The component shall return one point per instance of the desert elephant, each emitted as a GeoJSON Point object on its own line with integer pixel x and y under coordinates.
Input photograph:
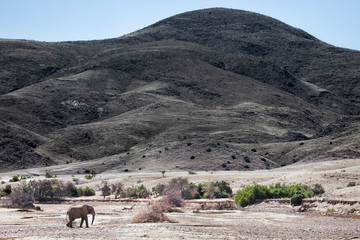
{"type": "Point", "coordinates": [80, 212]}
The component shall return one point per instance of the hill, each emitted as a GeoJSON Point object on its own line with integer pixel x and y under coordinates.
{"type": "Point", "coordinates": [204, 90]}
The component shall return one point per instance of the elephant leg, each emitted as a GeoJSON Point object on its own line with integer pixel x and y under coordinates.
{"type": "Point", "coordinates": [86, 220]}
{"type": "Point", "coordinates": [69, 224]}
{"type": "Point", "coordinates": [82, 221]}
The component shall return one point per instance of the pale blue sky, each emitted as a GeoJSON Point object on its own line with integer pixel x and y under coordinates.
{"type": "Point", "coordinates": [334, 21]}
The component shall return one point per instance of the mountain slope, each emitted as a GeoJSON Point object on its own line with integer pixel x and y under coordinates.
{"type": "Point", "coordinates": [210, 89]}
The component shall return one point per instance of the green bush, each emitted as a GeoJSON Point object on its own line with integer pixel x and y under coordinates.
{"type": "Point", "coordinates": [14, 179]}
{"type": "Point", "coordinates": [78, 192]}
{"type": "Point", "coordinates": [89, 176]}
{"type": "Point", "coordinates": [224, 187]}
{"type": "Point", "coordinates": [250, 194]}
{"type": "Point", "coordinates": [49, 175]}
{"type": "Point", "coordinates": [88, 191]}
{"type": "Point", "coordinates": [6, 189]}
{"type": "Point", "coordinates": [296, 199]}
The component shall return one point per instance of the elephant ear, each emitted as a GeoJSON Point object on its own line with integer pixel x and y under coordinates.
{"type": "Point", "coordinates": [85, 209]}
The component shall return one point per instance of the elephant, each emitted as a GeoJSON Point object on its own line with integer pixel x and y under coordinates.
{"type": "Point", "coordinates": [80, 212]}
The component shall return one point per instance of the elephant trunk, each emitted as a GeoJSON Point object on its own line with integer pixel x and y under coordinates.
{"type": "Point", "coordinates": [93, 218]}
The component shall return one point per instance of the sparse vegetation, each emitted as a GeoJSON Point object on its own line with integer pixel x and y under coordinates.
{"type": "Point", "coordinates": [181, 187]}
{"type": "Point", "coordinates": [24, 194]}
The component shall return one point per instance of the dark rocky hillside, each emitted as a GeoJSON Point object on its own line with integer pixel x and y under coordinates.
{"type": "Point", "coordinates": [205, 90]}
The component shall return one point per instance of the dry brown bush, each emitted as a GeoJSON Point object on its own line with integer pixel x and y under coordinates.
{"type": "Point", "coordinates": [174, 198]}
{"type": "Point", "coordinates": [154, 213]}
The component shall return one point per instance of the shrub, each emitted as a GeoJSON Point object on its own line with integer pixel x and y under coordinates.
{"type": "Point", "coordinates": [250, 194]}
{"type": "Point", "coordinates": [136, 192]}
{"type": "Point", "coordinates": [296, 199]}
{"type": "Point", "coordinates": [210, 190]}
{"type": "Point", "coordinates": [247, 159]}
{"type": "Point", "coordinates": [76, 180]}
{"type": "Point", "coordinates": [153, 213]}
{"type": "Point", "coordinates": [88, 191]}
{"type": "Point", "coordinates": [43, 190]}
{"type": "Point", "coordinates": [49, 175]}
{"type": "Point", "coordinates": [351, 184]}
{"type": "Point", "coordinates": [89, 176]}
{"type": "Point", "coordinates": [224, 190]}
{"type": "Point", "coordinates": [105, 190]}
{"type": "Point", "coordinates": [200, 190]}
{"type": "Point", "coordinates": [78, 192]}
{"type": "Point", "coordinates": [20, 199]}
{"type": "Point", "coordinates": [117, 189]}
{"type": "Point", "coordinates": [318, 189]}
{"type": "Point", "coordinates": [174, 198]}
{"type": "Point", "coordinates": [7, 189]}
{"type": "Point", "coordinates": [142, 192]}
{"type": "Point", "coordinates": [187, 190]}
{"type": "Point", "coordinates": [47, 189]}
{"type": "Point", "coordinates": [14, 179]}
{"type": "Point", "coordinates": [159, 189]}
